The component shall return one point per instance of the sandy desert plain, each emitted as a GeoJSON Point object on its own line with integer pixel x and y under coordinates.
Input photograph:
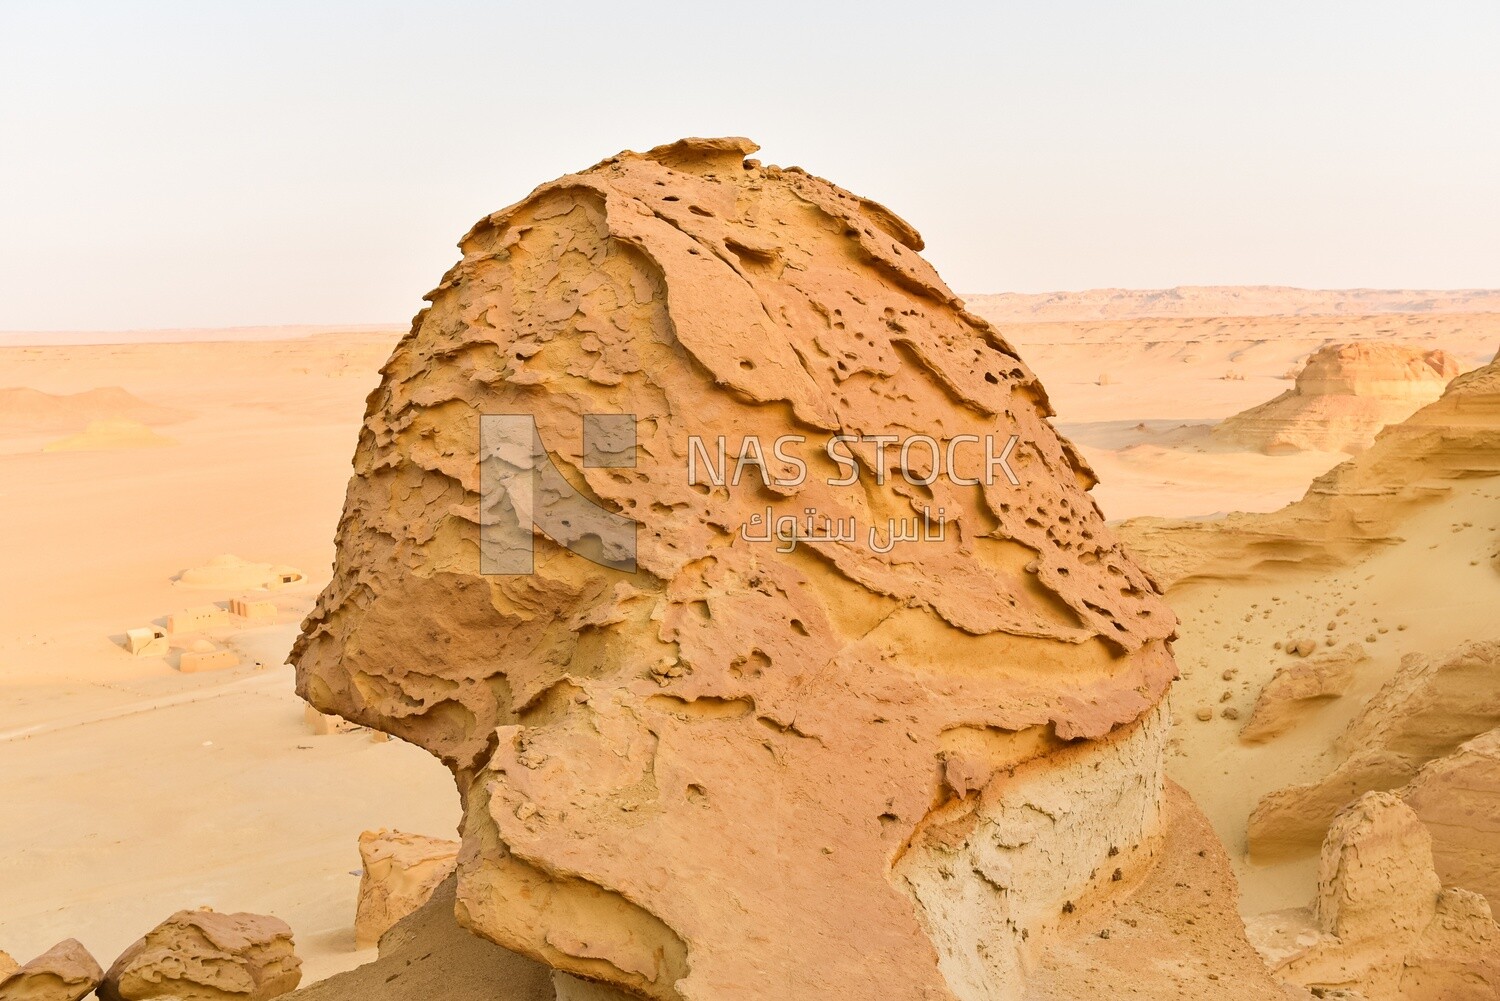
{"type": "Point", "coordinates": [130, 789]}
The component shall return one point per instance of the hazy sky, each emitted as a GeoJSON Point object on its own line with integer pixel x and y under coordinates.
{"type": "Point", "coordinates": [204, 163]}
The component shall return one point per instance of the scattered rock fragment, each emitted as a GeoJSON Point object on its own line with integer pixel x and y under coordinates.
{"type": "Point", "coordinates": [1302, 646]}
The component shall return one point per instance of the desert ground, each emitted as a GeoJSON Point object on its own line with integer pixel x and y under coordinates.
{"type": "Point", "coordinates": [131, 788]}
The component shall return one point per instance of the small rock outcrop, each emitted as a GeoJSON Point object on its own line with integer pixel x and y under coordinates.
{"type": "Point", "coordinates": [1382, 924]}
{"type": "Point", "coordinates": [203, 955]}
{"type": "Point", "coordinates": [1426, 711]}
{"type": "Point", "coordinates": [1296, 688]}
{"type": "Point", "coordinates": [7, 965]}
{"type": "Point", "coordinates": [65, 972]}
{"type": "Point", "coordinates": [400, 873]}
{"type": "Point", "coordinates": [1458, 799]}
{"type": "Point", "coordinates": [1343, 397]}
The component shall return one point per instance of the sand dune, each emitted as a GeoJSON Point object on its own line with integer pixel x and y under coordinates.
{"type": "Point", "coordinates": [24, 410]}
{"type": "Point", "coordinates": [101, 436]}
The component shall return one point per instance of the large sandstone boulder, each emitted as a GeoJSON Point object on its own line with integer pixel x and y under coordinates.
{"type": "Point", "coordinates": [400, 871]}
{"type": "Point", "coordinates": [1458, 955]}
{"type": "Point", "coordinates": [1381, 923]}
{"type": "Point", "coordinates": [7, 965]}
{"type": "Point", "coordinates": [707, 759]}
{"type": "Point", "coordinates": [1344, 396]}
{"type": "Point", "coordinates": [1375, 880]}
{"type": "Point", "coordinates": [65, 972]}
{"type": "Point", "coordinates": [206, 956]}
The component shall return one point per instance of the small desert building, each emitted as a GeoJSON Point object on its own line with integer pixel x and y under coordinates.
{"type": "Point", "coordinates": [231, 573]}
{"type": "Point", "coordinates": [197, 619]}
{"type": "Point", "coordinates": [196, 662]}
{"type": "Point", "coordinates": [256, 610]}
{"type": "Point", "coordinates": [147, 641]}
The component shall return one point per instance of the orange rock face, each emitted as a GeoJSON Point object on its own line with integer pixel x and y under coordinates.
{"type": "Point", "coordinates": [729, 762]}
{"type": "Point", "coordinates": [1458, 799]}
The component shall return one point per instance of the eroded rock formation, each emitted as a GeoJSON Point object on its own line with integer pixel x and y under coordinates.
{"type": "Point", "coordinates": [1458, 799]}
{"type": "Point", "coordinates": [727, 765]}
{"type": "Point", "coordinates": [1382, 923]}
{"type": "Point", "coordinates": [1348, 511]}
{"type": "Point", "coordinates": [206, 956]}
{"type": "Point", "coordinates": [1344, 395]}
